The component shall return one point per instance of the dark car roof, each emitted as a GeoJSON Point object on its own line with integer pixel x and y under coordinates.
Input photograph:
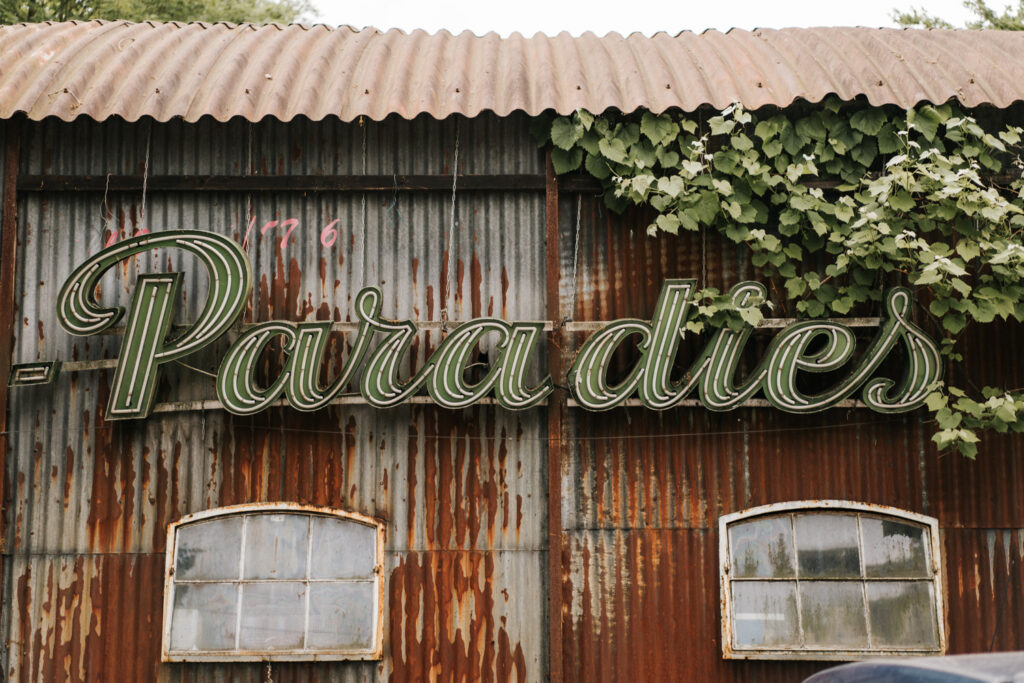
{"type": "Point", "coordinates": [1002, 667]}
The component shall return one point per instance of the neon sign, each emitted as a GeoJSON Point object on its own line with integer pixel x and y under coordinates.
{"type": "Point", "coordinates": [380, 344]}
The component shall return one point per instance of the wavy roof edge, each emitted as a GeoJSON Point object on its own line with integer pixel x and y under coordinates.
{"type": "Point", "coordinates": [444, 31]}
{"type": "Point", "coordinates": [103, 69]}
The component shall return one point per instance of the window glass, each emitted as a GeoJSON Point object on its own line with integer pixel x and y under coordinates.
{"type": "Point", "coordinates": [275, 546]}
{"type": "Point", "coordinates": [279, 584]}
{"type": "Point", "coordinates": [763, 547]}
{"type": "Point", "coordinates": [900, 614]}
{"type": "Point", "coordinates": [894, 549]}
{"type": "Point", "coordinates": [273, 616]}
{"type": "Point", "coordinates": [204, 617]}
{"type": "Point", "coordinates": [827, 546]}
{"type": "Point", "coordinates": [833, 614]}
{"type": "Point", "coordinates": [823, 581]}
{"type": "Point", "coordinates": [350, 605]}
{"type": "Point", "coordinates": [343, 550]}
{"type": "Point", "coordinates": [202, 555]}
{"type": "Point", "coordinates": [765, 613]}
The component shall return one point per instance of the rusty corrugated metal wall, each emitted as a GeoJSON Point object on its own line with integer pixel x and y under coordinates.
{"type": "Point", "coordinates": [643, 491]}
{"type": "Point", "coordinates": [465, 494]}
{"type": "Point", "coordinates": [462, 492]}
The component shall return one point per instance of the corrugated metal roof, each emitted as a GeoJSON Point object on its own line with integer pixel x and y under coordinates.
{"type": "Point", "coordinates": [102, 69]}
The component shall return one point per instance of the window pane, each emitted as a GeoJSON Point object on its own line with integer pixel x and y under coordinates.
{"type": "Point", "coordinates": [209, 550]}
{"type": "Point", "coordinates": [275, 547]}
{"type": "Point", "coordinates": [204, 616]}
{"type": "Point", "coordinates": [341, 615]}
{"type": "Point", "coordinates": [827, 546]}
{"type": "Point", "coordinates": [894, 549]}
{"type": "Point", "coordinates": [343, 549]}
{"type": "Point", "coordinates": [764, 614]}
{"type": "Point", "coordinates": [902, 614]}
{"type": "Point", "coordinates": [762, 548]}
{"type": "Point", "coordinates": [833, 614]}
{"type": "Point", "coordinates": [273, 616]}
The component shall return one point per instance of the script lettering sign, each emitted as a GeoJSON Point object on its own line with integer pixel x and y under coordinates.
{"type": "Point", "coordinates": [380, 345]}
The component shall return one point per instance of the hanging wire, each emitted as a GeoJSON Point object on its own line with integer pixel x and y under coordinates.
{"type": "Point", "coordinates": [105, 212]}
{"type": "Point", "coordinates": [451, 236]}
{"type": "Point", "coordinates": [362, 127]}
{"type": "Point", "coordinates": [393, 206]}
{"type": "Point", "coordinates": [145, 176]}
{"type": "Point", "coordinates": [195, 369]}
{"type": "Point", "coordinates": [703, 257]}
{"type": "Point", "coordinates": [840, 424]}
{"type": "Point", "coordinates": [575, 260]}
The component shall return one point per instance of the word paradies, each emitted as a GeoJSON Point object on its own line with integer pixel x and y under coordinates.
{"type": "Point", "coordinates": [380, 345]}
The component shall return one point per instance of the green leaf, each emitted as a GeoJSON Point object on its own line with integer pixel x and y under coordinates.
{"type": "Point", "coordinates": [720, 125]}
{"type": "Point", "coordinates": [939, 307]}
{"type": "Point", "coordinates": [672, 185]}
{"type": "Point", "coordinates": [736, 232]}
{"type": "Point", "coordinates": [868, 121]}
{"type": "Point", "coordinates": [842, 305]}
{"type": "Point", "coordinates": [742, 142]}
{"type": "Point", "coordinates": [564, 161]}
{"type": "Point", "coordinates": [811, 127]}
{"type": "Point", "coordinates": [795, 287]}
{"type": "Point", "coordinates": [565, 133]}
{"type": "Point", "coordinates": [1010, 135]}
{"type": "Point", "coordinates": [707, 207]}
{"type": "Point", "coordinates": [769, 128]}
{"type": "Point", "coordinates": [954, 322]}
{"type": "Point", "coordinates": [814, 308]}
{"type": "Point", "coordinates": [901, 201]}
{"type": "Point", "coordinates": [751, 315]}
{"type": "Point", "coordinates": [925, 120]}
{"type": "Point", "coordinates": [660, 130]}
{"type": "Point", "coordinates": [865, 153]}
{"type": "Point", "coordinates": [614, 149]}
{"type": "Point", "coordinates": [668, 223]}
{"type": "Point", "coordinates": [597, 167]}
{"type": "Point", "coordinates": [968, 250]}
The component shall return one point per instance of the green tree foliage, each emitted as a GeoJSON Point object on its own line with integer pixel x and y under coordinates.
{"type": "Point", "coordinates": [1009, 19]}
{"type": "Point", "coordinates": [235, 11]}
{"type": "Point", "coordinates": [836, 203]}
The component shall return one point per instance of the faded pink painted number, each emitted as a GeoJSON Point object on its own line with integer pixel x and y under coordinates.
{"type": "Point", "coordinates": [328, 235]}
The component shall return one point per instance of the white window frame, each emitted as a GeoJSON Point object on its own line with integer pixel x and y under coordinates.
{"type": "Point", "coordinates": [374, 653]}
{"type": "Point", "coordinates": [817, 506]}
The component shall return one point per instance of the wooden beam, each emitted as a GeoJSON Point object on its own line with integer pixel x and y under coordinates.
{"type": "Point", "coordinates": [8, 272]}
{"type": "Point", "coordinates": [557, 412]}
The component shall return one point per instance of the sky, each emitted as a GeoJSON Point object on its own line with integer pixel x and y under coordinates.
{"type": "Point", "coordinates": [602, 16]}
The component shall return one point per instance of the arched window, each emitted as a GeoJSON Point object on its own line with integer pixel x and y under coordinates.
{"type": "Point", "coordinates": [273, 582]}
{"type": "Point", "coordinates": [830, 580]}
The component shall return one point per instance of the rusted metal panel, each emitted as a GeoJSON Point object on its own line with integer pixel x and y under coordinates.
{"type": "Point", "coordinates": [984, 575]}
{"type": "Point", "coordinates": [106, 69]}
{"type": "Point", "coordinates": [488, 144]}
{"type": "Point", "coordinates": [643, 604]}
{"type": "Point", "coordinates": [459, 616]}
{"type": "Point", "coordinates": [84, 617]}
{"type": "Point", "coordinates": [644, 607]}
{"type": "Point", "coordinates": [463, 493]}
{"type": "Point", "coordinates": [684, 468]}
{"type": "Point", "coordinates": [642, 492]}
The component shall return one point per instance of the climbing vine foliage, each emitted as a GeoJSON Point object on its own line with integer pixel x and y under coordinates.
{"type": "Point", "coordinates": [835, 203]}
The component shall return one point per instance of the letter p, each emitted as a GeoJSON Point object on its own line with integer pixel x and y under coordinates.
{"type": "Point", "coordinates": [145, 346]}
